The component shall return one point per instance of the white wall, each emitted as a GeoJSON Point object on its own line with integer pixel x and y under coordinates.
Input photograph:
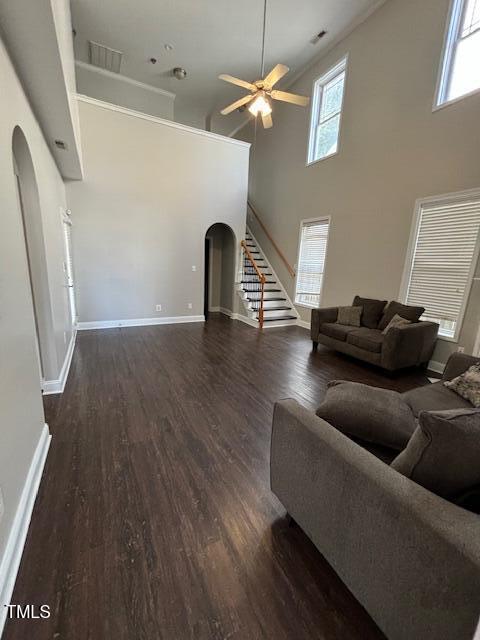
{"type": "Point", "coordinates": [151, 191]}
{"type": "Point", "coordinates": [393, 150]}
{"type": "Point", "coordinates": [116, 89]}
{"type": "Point", "coordinates": [21, 411]}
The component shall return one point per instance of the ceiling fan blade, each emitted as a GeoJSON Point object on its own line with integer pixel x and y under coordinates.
{"type": "Point", "coordinates": [237, 104]}
{"type": "Point", "coordinates": [275, 75]}
{"type": "Point", "coordinates": [237, 81]}
{"type": "Point", "coordinates": [284, 96]}
{"type": "Point", "coordinates": [267, 121]}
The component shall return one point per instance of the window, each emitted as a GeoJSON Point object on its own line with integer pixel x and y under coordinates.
{"type": "Point", "coordinates": [311, 261]}
{"type": "Point", "coordinates": [326, 113]}
{"type": "Point", "coordinates": [442, 256]}
{"type": "Point", "coordinates": [460, 72]}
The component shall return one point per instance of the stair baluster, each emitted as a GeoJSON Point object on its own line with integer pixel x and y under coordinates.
{"type": "Point", "coordinates": [254, 281]}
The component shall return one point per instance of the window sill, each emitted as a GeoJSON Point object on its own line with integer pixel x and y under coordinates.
{"type": "Point", "coordinates": [447, 338]}
{"type": "Point", "coordinates": [330, 155]}
{"type": "Point", "coordinates": [447, 103]}
{"type": "Point", "coordinates": [306, 306]}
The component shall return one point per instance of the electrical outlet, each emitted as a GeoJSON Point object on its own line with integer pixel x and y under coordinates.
{"type": "Point", "coordinates": [460, 349]}
{"type": "Point", "coordinates": [2, 506]}
{"type": "Point", "coordinates": [189, 305]}
{"type": "Point", "coordinates": [194, 268]}
{"type": "Point", "coordinates": [158, 307]}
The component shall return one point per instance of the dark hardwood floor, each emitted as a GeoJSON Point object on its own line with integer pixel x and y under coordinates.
{"type": "Point", "coordinates": [154, 518]}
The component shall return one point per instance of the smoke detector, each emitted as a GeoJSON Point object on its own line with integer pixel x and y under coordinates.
{"type": "Point", "coordinates": [179, 73]}
{"type": "Point", "coordinates": [104, 57]}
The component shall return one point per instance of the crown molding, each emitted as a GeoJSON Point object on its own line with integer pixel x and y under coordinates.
{"type": "Point", "coordinates": [119, 76]}
{"type": "Point", "coordinates": [322, 54]}
{"type": "Point", "coordinates": [168, 123]}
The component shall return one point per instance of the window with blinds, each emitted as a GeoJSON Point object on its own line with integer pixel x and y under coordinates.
{"type": "Point", "coordinates": [311, 261]}
{"type": "Point", "coordinates": [443, 252]}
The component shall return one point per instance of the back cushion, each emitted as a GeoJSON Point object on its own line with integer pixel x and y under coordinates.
{"type": "Point", "coordinates": [444, 452]}
{"type": "Point", "coordinates": [403, 310]}
{"type": "Point", "coordinates": [372, 310]}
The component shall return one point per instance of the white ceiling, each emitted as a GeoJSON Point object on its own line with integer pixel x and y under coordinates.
{"type": "Point", "coordinates": [210, 37]}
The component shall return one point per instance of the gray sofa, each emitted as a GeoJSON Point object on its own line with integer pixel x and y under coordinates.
{"type": "Point", "coordinates": [411, 558]}
{"type": "Point", "coordinates": [401, 347]}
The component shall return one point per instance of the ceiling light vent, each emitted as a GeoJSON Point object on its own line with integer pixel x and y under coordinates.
{"type": "Point", "coordinates": [104, 57]}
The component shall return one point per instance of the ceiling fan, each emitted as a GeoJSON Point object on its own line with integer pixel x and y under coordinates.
{"type": "Point", "coordinates": [262, 91]}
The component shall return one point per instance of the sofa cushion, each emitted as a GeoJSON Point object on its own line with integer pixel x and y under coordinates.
{"type": "Point", "coordinates": [372, 310]}
{"type": "Point", "coordinates": [444, 451]}
{"type": "Point", "coordinates": [337, 331]}
{"type": "Point", "coordinates": [368, 413]}
{"type": "Point", "coordinates": [467, 385]}
{"type": "Point", "coordinates": [404, 310]}
{"type": "Point", "coordinates": [368, 339]}
{"type": "Point", "coordinates": [434, 397]}
{"type": "Point", "coordinates": [349, 316]}
{"type": "Point", "coordinates": [396, 321]}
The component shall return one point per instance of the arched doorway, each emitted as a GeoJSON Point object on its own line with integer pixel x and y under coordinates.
{"type": "Point", "coordinates": [220, 260]}
{"type": "Point", "coordinates": [30, 212]}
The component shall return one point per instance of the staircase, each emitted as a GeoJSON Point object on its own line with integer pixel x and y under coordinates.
{"type": "Point", "coordinates": [278, 309]}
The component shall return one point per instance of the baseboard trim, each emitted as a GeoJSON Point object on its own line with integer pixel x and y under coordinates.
{"type": "Point", "coordinates": [137, 322]}
{"type": "Point", "coordinates": [57, 386]}
{"type": "Point", "coordinates": [227, 312]}
{"type": "Point", "coordinates": [438, 367]}
{"type": "Point", "coordinates": [16, 540]}
{"type": "Point", "coordinates": [303, 323]}
{"type": "Point", "coordinates": [249, 321]}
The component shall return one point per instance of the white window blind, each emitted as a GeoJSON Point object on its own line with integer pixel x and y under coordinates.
{"type": "Point", "coordinates": [311, 262]}
{"type": "Point", "coordinates": [442, 262]}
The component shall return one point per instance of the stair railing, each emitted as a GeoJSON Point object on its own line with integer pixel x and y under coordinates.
{"type": "Point", "coordinates": [254, 281]}
{"type": "Point", "coordinates": [289, 267]}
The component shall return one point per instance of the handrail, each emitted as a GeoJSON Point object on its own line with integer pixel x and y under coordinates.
{"type": "Point", "coordinates": [261, 277]}
{"type": "Point", "coordinates": [290, 269]}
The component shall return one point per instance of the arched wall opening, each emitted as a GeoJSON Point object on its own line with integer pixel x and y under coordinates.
{"type": "Point", "coordinates": [30, 213]}
{"type": "Point", "coordinates": [220, 265]}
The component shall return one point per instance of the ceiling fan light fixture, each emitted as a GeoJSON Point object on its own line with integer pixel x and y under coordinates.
{"type": "Point", "coordinates": [260, 105]}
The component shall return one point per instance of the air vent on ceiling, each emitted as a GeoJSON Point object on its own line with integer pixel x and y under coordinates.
{"type": "Point", "coordinates": [104, 57]}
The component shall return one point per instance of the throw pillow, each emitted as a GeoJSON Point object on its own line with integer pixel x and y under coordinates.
{"type": "Point", "coordinates": [467, 385]}
{"type": "Point", "coordinates": [396, 321]}
{"type": "Point", "coordinates": [368, 413]}
{"type": "Point", "coordinates": [444, 451]}
{"type": "Point", "coordinates": [349, 315]}
{"type": "Point", "coordinates": [372, 310]}
{"type": "Point", "coordinates": [404, 310]}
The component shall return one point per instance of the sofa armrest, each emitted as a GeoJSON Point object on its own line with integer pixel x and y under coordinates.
{"type": "Point", "coordinates": [319, 316]}
{"type": "Point", "coordinates": [457, 364]}
{"type": "Point", "coordinates": [411, 558]}
{"type": "Point", "coordinates": [409, 345]}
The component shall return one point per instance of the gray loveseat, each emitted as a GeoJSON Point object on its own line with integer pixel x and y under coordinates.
{"type": "Point", "coordinates": [411, 558]}
{"type": "Point", "coordinates": [400, 347]}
